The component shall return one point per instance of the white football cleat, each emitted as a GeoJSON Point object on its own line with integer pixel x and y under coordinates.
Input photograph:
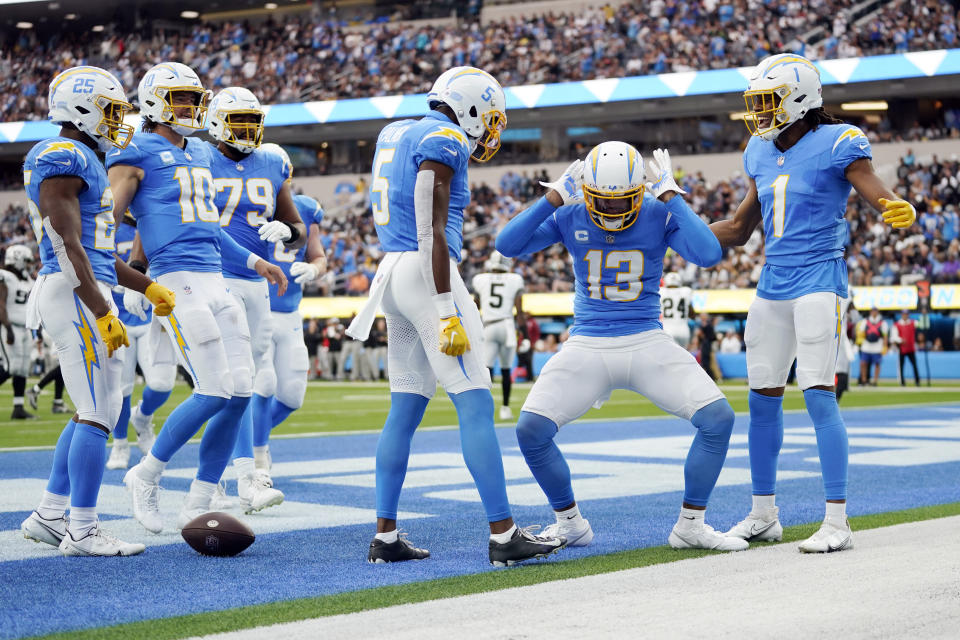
{"type": "Point", "coordinates": [39, 529]}
{"type": "Point", "coordinates": [759, 527]}
{"type": "Point", "coordinates": [146, 500]}
{"type": "Point", "coordinates": [702, 536]}
{"type": "Point", "coordinates": [221, 501]}
{"type": "Point", "coordinates": [577, 536]}
{"type": "Point", "coordinates": [143, 425]}
{"type": "Point", "coordinates": [119, 455]}
{"type": "Point", "coordinates": [833, 535]}
{"type": "Point", "coordinates": [507, 414]}
{"type": "Point", "coordinates": [193, 506]}
{"type": "Point", "coordinates": [256, 491]}
{"type": "Point", "coordinates": [98, 543]}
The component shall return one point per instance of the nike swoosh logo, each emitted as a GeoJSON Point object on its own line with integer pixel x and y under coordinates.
{"type": "Point", "coordinates": [755, 530]}
{"type": "Point", "coordinates": [863, 145]}
{"type": "Point", "coordinates": [452, 152]}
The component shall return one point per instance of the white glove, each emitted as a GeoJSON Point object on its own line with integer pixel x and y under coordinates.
{"type": "Point", "coordinates": [570, 184]}
{"type": "Point", "coordinates": [135, 303]}
{"type": "Point", "coordinates": [660, 171]}
{"type": "Point", "coordinates": [304, 272]}
{"type": "Point", "coordinates": [275, 231]}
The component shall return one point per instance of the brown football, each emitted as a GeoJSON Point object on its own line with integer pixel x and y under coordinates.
{"type": "Point", "coordinates": [217, 534]}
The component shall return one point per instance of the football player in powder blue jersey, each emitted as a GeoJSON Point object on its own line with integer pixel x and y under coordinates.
{"type": "Point", "coordinates": [257, 210]}
{"type": "Point", "coordinates": [279, 388]}
{"type": "Point", "coordinates": [71, 210]}
{"type": "Point", "coordinates": [164, 177]}
{"type": "Point", "coordinates": [617, 234]}
{"type": "Point", "coordinates": [418, 193]}
{"type": "Point", "coordinates": [801, 163]}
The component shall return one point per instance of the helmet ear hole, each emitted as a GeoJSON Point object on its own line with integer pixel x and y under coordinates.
{"type": "Point", "coordinates": [473, 112]}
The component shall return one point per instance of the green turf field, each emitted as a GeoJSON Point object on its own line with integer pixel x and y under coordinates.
{"type": "Point", "coordinates": [332, 406]}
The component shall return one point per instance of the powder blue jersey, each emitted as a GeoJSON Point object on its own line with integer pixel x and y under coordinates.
{"type": "Point", "coordinates": [617, 290]}
{"type": "Point", "coordinates": [311, 213]}
{"type": "Point", "coordinates": [401, 148]}
{"type": "Point", "coordinates": [179, 223]}
{"type": "Point", "coordinates": [125, 235]}
{"type": "Point", "coordinates": [65, 157]}
{"type": "Point", "coordinates": [247, 197]}
{"type": "Point", "coordinates": [803, 196]}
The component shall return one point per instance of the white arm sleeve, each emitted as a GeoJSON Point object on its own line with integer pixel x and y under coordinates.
{"type": "Point", "coordinates": [60, 250]}
{"type": "Point", "coordinates": [423, 208]}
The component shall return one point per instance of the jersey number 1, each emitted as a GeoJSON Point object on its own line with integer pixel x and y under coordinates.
{"type": "Point", "coordinates": [779, 204]}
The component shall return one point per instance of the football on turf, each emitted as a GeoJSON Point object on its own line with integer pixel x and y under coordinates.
{"type": "Point", "coordinates": [217, 534]}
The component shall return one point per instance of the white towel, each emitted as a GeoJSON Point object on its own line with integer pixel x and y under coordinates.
{"type": "Point", "coordinates": [359, 329]}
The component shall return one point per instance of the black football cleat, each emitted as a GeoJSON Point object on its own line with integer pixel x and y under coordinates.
{"type": "Point", "coordinates": [382, 552]}
{"type": "Point", "coordinates": [19, 413]}
{"type": "Point", "coordinates": [524, 546]}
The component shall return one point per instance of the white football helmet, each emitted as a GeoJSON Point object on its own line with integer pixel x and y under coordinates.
{"type": "Point", "coordinates": [156, 95]}
{"type": "Point", "coordinates": [92, 100]}
{"type": "Point", "coordinates": [18, 256]}
{"type": "Point", "coordinates": [672, 280]}
{"type": "Point", "coordinates": [498, 262]}
{"type": "Point", "coordinates": [274, 148]}
{"type": "Point", "coordinates": [613, 185]}
{"type": "Point", "coordinates": [235, 118]}
{"type": "Point", "coordinates": [783, 88]}
{"type": "Point", "coordinates": [479, 104]}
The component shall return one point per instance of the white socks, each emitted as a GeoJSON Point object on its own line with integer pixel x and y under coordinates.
{"type": "Point", "coordinates": [763, 504]}
{"type": "Point", "coordinates": [836, 511]}
{"type": "Point", "coordinates": [503, 538]}
{"type": "Point", "coordinates": [82, 519]}
{"type": "Point", "coordinates": [244, 466]}
{"type": "Point", "coordinates": [690, 518]}
{"type": "Point", "coordinates": [261, 457]}
{"type": "Point", "coordinates": [52, 506]}
{"type": "Point", "coordinates": [389, 537]}
{"type": "Point", "coordinates": [150, 468]}
{"type": "Point", "coordinates": [569, 517]}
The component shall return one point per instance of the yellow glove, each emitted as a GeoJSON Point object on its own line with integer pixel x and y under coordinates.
{"type": "Point", "coordinates": [453, 337]}
{"type": "Point", "coordinates": [899, 214]}
{"type": "Point", "coordinates": [113, 332]}
{"type": "Point", "coordinates": [162, 299]}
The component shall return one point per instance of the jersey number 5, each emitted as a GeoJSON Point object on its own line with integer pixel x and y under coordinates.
{"type": "Point", "coordinates": [380, 204]}
{"type": "Point", "coordinates": [630, 276]}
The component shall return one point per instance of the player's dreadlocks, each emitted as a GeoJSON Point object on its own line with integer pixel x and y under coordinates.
{"type": "Point", "coordinates": [816, 117]}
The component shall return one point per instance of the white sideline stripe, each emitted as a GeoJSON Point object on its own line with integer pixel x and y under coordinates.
{"type": "Point", "coordinates": [943, 405]}
{"type": "Point", "coordinates": [898, 581]}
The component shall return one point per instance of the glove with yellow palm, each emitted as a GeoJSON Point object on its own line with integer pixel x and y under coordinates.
{"type": "Point", "coordinates": [162, 299]}
{"type": "Point", "coordinates": [899, 214]}
{"type": "Point", "coordinates": [113, 332]}
{"type": "Point", "coordinates": [453, 335]}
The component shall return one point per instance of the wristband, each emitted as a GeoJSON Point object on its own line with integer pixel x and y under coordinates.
{"type": "Point", "coordinates": [294, 233]}
{"type": "Point", "coordinates": [444, 304]}
{"type": "Point", "coordinates": [138, 265]}
{"type": "Point", "coordinates": [252, 261]}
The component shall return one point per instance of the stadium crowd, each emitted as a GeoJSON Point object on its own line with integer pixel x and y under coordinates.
{"type": "Point", "coordinates": [302, 59]}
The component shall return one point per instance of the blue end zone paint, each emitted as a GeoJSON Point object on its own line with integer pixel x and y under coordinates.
{"type": "Point", "coordinates": [48, 594]}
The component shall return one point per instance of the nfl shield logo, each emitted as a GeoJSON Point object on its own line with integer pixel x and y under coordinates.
{"type": "Point", "coordinates": [211, 542]}
{"type": "Point", "coordinates": [780, 161]}
{"type": "Point", "coordinates": [610, 239]}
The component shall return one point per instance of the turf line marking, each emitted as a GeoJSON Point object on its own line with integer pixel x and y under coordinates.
{"type": "Point", "coordinates": [200, 624]}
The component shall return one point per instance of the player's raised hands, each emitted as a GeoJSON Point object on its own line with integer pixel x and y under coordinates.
{"type": "Point", "coordinates": [899, 214]}
{"type": "Point", "coordinates": [660, 174]}
{"type": "Point", "coordinates": [569, 186]}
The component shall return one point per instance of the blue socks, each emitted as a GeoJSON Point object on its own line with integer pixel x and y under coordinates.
{"type": "Point", "coordinates": [59, 482]}
{"type": "Point", "coordinates": [244, 441]}
{"type": "Point", "coordinates": [152, 400]}
{"type": "Point", "coordinates": [184, 422]}
{"type": "Point", "coordinates": [278, 413]}
{"type": "Point", "coordinates": [714, 424]}
{"type": "Point", "coordinates": [393, 449]}
{"type": "Point", "coordinates": [260, 409]}
{"type": "Point", "coordinates": [88, 454]}
{"type": "Point", "coordinates": [481, 450]}
{"type": "Point", "coordinates": [220, 438]}
{"type": "Point", "coordinates": [831, 441]}
{"type": "Point", "coordinates": [120, 430]}
{"type": "Point", "coordinates": [535, 434]}
{"type": "Point", "coordinates": [765, 440]}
